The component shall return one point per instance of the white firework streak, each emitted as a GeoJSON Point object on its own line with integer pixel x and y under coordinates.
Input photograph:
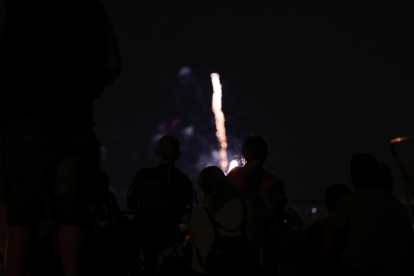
{"type": "Point", "coordinates": [219, 116]}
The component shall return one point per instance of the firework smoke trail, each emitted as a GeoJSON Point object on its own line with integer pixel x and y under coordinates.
{"type": "Point", "coordinates": [219, 116]}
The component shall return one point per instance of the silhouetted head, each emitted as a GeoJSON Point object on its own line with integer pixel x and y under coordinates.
{"type": "Point", "coordinates": [365, 171]}
{"type": "Point", "coordinates": [255, 148]}
{"type": "Point", "coordinates": [168, 150]}
{"type": "Point", "coordinates": [386, 176]}
{"type": "Point", "coordinates": [333, 193]}
{"type": "Point", "coordinates": [213, 184]}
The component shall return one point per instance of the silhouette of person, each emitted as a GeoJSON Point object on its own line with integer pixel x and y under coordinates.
{"type": "Point", "coordinates": [264, 195]}
{"type": "Point", "coordinates": [371, 227]}
{"type": "Point", "coordinates": [160, 195]}
{"type": "Point", "coordinates": [53, 67]}
{"type": "Point", "coordinates": [319, 237]}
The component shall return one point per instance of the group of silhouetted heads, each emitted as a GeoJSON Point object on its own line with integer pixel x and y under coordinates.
{"type": "Point", "coordinates": [365, 170]}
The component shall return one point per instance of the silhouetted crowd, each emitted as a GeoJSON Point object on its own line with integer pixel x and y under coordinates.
{"type": "Point", "coordinates": [57, 216]}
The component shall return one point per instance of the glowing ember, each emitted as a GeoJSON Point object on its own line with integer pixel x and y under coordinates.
{"type": "Point", "coordinates": [233, 164]}
{"type": "Point", "coordinates": [218, 114]}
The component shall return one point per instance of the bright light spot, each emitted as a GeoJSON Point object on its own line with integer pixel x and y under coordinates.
{"type": "Point", "coordinates": [314, 210]}
{"type": "Point", "coordinates": [233, 164]}
{"type": "Point", "coordinates": [219, 116]}
{"type": "Point", "coordinates": [188, 131]}
{"type": "Point", "coordinates": [184, 71]}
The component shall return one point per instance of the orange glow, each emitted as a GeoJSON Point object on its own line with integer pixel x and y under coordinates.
{"type": "Point", "coordinates": [219, 116]}
{"type": "Point", "coordinates": [400, 139]}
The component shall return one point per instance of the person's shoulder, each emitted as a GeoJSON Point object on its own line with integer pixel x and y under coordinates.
{"type": "Point", "coordinates": [146, 170]}
{"type": "Point", "coordinates": [235, 171]}
{"type": "Point", "coordinates": [272, 178]}
{"type": "Point", "coordinates": [142, 173]}
{"type": "Point", "coordinates": [347, 205]}
{"type": "Point", "coordinates": [272, 181]}
{"type": "Point", "coordinates": [348, 199]}
{"type": "Point", "coordinates": [182, 175]}
{"type": "Point", "coordinates": [236, 176]}
{"type": "Point", "coordinates": [197, 213]}
{"type": "Point", "coordinates": [235, 202]}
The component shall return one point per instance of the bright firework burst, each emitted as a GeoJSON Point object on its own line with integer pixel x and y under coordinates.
{"type": "Point", "coordinates": [233, 164]}
{"type": "Point", "coordinates": [219, 116]}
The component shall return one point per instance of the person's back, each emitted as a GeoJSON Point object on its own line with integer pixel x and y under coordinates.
{"type": "Point", "coordinates": [378, 231]}
{"type": "Point", "coordinates": [371, 225]}
{"type": "Point", "coordinates": [264, 195]}
{"type": "Point", "coordinates": [55, 61]}
{"type": "Point", "coordinates": [163, 193]}
{"type": "Point", "coordinates": [319, 236]}
{"type": "Point", "coordinates": [202, 234]}
{"type": "Point", "coordinates": [160, 195]}
{"type": "Point", "coordinates": [292, 245]}
{"type": "Point", "coordinates": [222, 215]}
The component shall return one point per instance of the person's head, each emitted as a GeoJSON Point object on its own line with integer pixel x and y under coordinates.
{"type": "Point", "coordinates": [333, 193]}
{"type": "Point", "coordinates": [386, 176]}
{"type": "Point", "coordinates": [255, 149]}
{"type": "Point", "coordinates": [214, 186]}
{"type": "Point", "coordinates": [168, 150]}
{"type": "Point", "coordinates": [365, 171]}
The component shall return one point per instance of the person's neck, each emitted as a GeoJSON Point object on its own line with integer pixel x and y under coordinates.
{"type": "Point", "coordinates": [165, 162]}
{"type": "Point", "coordinates": [253, 163]}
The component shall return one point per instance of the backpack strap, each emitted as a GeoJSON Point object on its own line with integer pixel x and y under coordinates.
{"type": "Point", "coordinates": [216, 225]}
{"type": "Point", "coordinates": [265, 200]}
{"type": "Point", "coordinates": [216, 233]}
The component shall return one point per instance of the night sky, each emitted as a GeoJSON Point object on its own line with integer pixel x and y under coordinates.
{"type": "Point", "coordinates": [318, 80]}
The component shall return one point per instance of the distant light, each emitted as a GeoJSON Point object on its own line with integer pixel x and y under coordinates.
{"type": "Point", "coordinates": [233, 164]}
{"type": "Point", "coordinates": [184, 71]}
{"type": "Point", "coordinates": [314, 210]}
{"type": "Point", "coordinates": [174, 123]}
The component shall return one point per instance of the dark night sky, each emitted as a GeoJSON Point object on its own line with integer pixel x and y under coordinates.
{"type": "Point", "coordinates": [319, 81]}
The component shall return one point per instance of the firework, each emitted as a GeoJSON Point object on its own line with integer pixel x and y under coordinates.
{"type": "Point", "coordinates": [219, 116]}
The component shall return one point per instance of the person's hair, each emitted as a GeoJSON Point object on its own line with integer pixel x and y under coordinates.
{"type": "Point", "coordinates": [386, 177]}
{"type": "Point", "coordinates": [255, 148]}
{"type": "Point", "coordinates": [169, 148]}
{"type": "Point", "coordinates": [365, 171]}
{"type": "Point", "coordinates": [214, 184]}
{"type": "Point", "coordinates": [333, 193]}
